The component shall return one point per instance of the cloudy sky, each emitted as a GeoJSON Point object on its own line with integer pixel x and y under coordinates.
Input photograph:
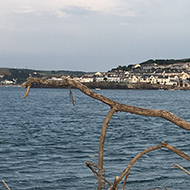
{"type": "Point", "coordinates": [92, 35]}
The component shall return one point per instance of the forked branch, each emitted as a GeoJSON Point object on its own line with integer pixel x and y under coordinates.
{"type": "Point", "coordinates": [132, 162]}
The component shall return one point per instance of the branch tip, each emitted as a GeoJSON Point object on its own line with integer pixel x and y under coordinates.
{"type": "Point", "coordinates": [27, 92]}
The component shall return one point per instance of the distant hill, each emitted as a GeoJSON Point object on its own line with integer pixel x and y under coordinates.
{"type": "Point", "coordinates": [151, 61]}
{"type": "Point", "coordinates": [165, 61]}
{"type": "Point", "coordinates": [22, 74]}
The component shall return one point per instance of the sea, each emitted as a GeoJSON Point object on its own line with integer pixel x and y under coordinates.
{"type": "Point", "coordinates": [45, 140]}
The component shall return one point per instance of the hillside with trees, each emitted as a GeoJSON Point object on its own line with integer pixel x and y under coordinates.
{"type": "Point", "coordinates": [152, 61]}
{"type": "Point", "coordinates": [20, 75]}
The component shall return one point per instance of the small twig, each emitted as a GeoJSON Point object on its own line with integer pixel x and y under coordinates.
{"type": "Point", "coordinates": [94, 171]}
{"type": "Point", "coordinates": [176, 165]}
{"type": "Point", "coordinates": [6, 185]}
{"type": "Point", "coordinates": [92, 164]}
{"type": "Point", "coordinates": [125, 180]}
{"type": "Point", "coordinates": [27, 92]}
{"type": "Point", "coordinates": [104, 185]}
{"type": "Point", "coordinates": [71, 96]}
{"type": "Point", "coordinates": [88, 164]}
{"type": "Point", "coordinates": [114, 186]}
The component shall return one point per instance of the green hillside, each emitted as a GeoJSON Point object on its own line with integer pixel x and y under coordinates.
{"type": "Point", "coordinates": [22, 74]}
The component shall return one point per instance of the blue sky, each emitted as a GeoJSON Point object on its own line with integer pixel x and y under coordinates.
{"type": "Point", "coordinates": [91, 35]}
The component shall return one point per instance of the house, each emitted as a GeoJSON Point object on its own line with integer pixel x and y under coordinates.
{"type": "Point", "coordinates": [149, 66]}
{"type": "Point", "coordinates": [163, 79]}
{"type": "Point", "coordinates": [98, 77]}
{"type": "Point", "coordinates": [153, 79]}
{"type": "Point", "coordinates": [184, 75]}
{"type": "Point", "coordinates": [8, 82]}
{"type": "Point", "coordinates": [167, 80]}
{"type": "Point", "coordinates": [85, 79]}
{"type": "Point", "coordinates": [131, 79]}
{"type": "Point", "coordinates": [136, 66]}
{"type": "Point", "coordinates": [112, 79]}
{"type": "Point", "coordinates": [89, 77]}
{"type": "Point", "coordinates": [145, 78]}
{"type": "Point", "coordinates": [170, 72]}
{"type": "Point", "coordinates": [159, 72]}
{"type": "Point", "coordinates": [117, 76]}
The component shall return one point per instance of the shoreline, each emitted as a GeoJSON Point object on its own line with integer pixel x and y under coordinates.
{"type": "Point", "coordinates": [116, 86]}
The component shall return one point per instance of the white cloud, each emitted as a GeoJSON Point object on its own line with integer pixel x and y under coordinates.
{"type": "Point", "coordinates": [23, 9]}
{"type": "Point", "coordinates": [128, 8]}
{"type": "Point", "coordinates": [55, 6]}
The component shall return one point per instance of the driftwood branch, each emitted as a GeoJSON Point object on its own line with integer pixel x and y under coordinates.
{"type": "Point", "coordinates": [115, 106]}
{"type": "Point", "coordinates": [183, 169]}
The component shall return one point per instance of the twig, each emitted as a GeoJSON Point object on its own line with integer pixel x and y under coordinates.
{"type": "Point", "coordinates": [27, 91]}
{"type": "Point", "coordinates": [125, 180]}
{"type": "Point", "coordinates": [183, 169]}
{"type": "Point", "coordinates": [6, 185]}
{"type": "Point", "coordinates": [101, 145]}
{"type": "Point", "coordinates": [177, 151]}
{"type": "Point", "coordinates": [88, 164]}
{"type": "Point", "coordinates": [114, 186]}
{"type": "Point", "coordinates": [71, 95]}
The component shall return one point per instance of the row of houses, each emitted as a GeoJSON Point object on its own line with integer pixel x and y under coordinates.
{"type": "Point", "coordinates": [156, 77]}
{"type": "Point", "coordinates": [8, 82]}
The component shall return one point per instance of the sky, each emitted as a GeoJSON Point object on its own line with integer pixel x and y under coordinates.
{"type": "Point", "coordinates": [92, 35]}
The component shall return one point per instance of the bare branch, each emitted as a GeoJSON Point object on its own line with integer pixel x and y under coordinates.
{"type": "Point", "coordinates": [183, 169]}
{"type": "Point", "coordinates": [162, 145]}
{"type": "Point", "coordinates": [132, 162]}
{"type": "Point", "coordinates": [71, 95]}
{"type": "Point", "coordinates": [125, 180]}
{"type": "Point", "coordinates": [119, 107]}
{"type": "Point", "coordinates": [177, 151]}
{"type": "Point", "coordinates": [101, 145]}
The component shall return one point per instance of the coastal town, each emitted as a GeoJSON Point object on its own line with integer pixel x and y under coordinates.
{"type": "Point", "coordinates": [172, 76]}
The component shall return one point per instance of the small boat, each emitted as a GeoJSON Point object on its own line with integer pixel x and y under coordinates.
{"type": "Point", "coordinates": [97, 89]}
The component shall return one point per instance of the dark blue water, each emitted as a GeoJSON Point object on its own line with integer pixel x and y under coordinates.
{"type": "Point", "coordinates": [44, 140]}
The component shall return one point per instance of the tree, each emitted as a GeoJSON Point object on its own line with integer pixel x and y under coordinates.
{"type": "Point", "coordinates": [114, 107]}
